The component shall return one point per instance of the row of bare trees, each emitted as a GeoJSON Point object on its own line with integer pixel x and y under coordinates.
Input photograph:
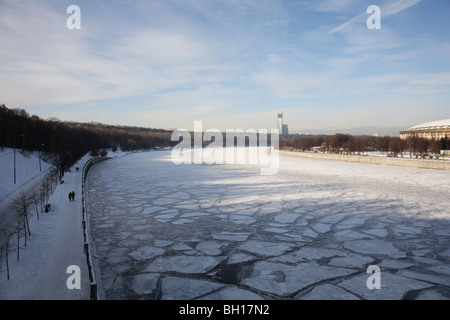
{"type": "Point", "coordinates": [23, 207]}
{"type": "Point", "coordinates": [345, 143]}
{"type": "Point", "coordinates": [64, 143]}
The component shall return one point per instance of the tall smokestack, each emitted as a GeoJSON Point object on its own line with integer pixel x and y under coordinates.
{"type": "Point", "coordinates": [280, 123]}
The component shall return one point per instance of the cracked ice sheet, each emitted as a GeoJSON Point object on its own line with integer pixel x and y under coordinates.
{"type": "Point", "coordinates": [287, 217]}
{"type": "Point", "coordinates": [308, 253]}
{"type": "Point", "coordinates": [145, 283]}
{"type": "Point", "coordinates": [265, 249]}
{"type": "Point", "coordinates": [436, 279]}
{"type": "Point", "coordinates": [175, 288]}
{"type": "Point", "coordinates": [147, 252]}
{"type": "Point", "coordinates": [183, 264]}
{"type": "Point", "coordinates": [231, 236]}
{"type": "Point", "coordinates": [210, 248]}
{"type": "Point", "coordinates": [232, 293]}
{"type": "Point", "coordinates": [393, 287]}
{"type": "Point", "coordinates": [328, 292]}
{"type": "Point", "coordinates": [284, 280]}
{"type": "Point", "coordinates": [376, 246]}
{"type": "Point", "coordinates": [351, 211]}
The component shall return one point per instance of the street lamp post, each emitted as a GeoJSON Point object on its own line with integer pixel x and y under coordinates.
{"type": "Point", "coordinates": [39, 151]}
{"type": "Point", "coordinates": [15, 157]}
{"type": "Point", "coordinates": [14, 161]}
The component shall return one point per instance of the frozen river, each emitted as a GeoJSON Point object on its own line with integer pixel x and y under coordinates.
{"type": "Point", "coordinates": [166, 231]}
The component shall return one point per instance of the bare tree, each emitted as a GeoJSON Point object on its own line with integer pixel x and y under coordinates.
{"type": "Point", "coordinates": [7, 254]}
{"type": "Point", "coordinates": [44, 195]}
{"type": "Point", "coordinates": [19, 230]}
{"type": "Point", "coordinates": [435, 146]}
{"type": "Point", "coordinates": [397, 146]}
{"type": "Point", "coordinates": [35, 200]}
{"type": "Point", "coordinates": [7, 236]}
{"type": "Point", "coordinates": [21, 205]}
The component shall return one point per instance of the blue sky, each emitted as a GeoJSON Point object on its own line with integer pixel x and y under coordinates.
{"type": "Point", "coordinates": [229, 63]}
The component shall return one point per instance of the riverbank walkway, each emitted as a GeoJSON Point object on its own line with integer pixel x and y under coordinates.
{"type": "Point", "coordinates": [56, 244]}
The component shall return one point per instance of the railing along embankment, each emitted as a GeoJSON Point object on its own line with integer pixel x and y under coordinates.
{"type": "Point", "coordinates": [403, 162]}
{"type": "Point", "coordinates": [93, 282]}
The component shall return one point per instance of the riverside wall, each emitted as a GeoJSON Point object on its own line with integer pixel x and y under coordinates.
{"type": "Point", "coordinates": [413, 163]}
{"type": "Point", "coordinates": [87, 248]}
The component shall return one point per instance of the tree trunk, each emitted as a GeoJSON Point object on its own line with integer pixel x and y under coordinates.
{"type": "Point", "coordinates": [37, 209]}
{"type": "Point", "coordinates": [25, 232]}
{"type": "Point", "coordinates": [18, 241]}
{"type": "Point", "coordinates": [27, 224]}
{"type": "Point", "coordinates": [7, 254]}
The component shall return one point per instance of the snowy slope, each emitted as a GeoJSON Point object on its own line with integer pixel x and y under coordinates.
{"type": "Point", "coordinates": [57, 238]}
{"type": "Point", "coordinates": [56, 242]}
{"type": "Point", "coordinates": [27, 169]}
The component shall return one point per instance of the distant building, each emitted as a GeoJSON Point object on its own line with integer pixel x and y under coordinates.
{"type": "Point", "coordinates": [282, 128]}
{"type": "Point", "coordinates": [280, 122]}
{"type": "Point", "coordinates": [430, 130]}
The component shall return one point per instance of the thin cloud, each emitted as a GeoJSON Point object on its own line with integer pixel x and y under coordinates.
{"type": "Point", "coordinates": [288, 85]}
{"type": "Point", "coordinates": [54, 65]}
{"type": "Point", "coordinates": [347, 26]}
{"type": "Point", "coordinates": [165, 63]}
{"type": "Point", "coordinates": [335, 6]}
{"type": "Point", "coordinates": [389, 9]}
{"type": "Point", "coordinates": [398, 6]}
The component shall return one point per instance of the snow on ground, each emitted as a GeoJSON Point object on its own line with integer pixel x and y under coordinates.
{"type": "Point", "coordinates": [30, 173]}
{"type": "Point", "coordinates": [163, 231]}
{"type": "Point", "coordinates": [27, 169]}
{"type": "Point", "coordinates": [56, 242]}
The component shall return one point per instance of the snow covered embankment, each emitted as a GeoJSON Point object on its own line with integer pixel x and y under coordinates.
{"type": "Point", "coordinates": [28, 168]}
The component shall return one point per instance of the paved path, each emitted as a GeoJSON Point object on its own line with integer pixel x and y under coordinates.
{"type": "Point", "coordinates": [67, 246]}
{"type": "Point", "coordinates": [57, 242]}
